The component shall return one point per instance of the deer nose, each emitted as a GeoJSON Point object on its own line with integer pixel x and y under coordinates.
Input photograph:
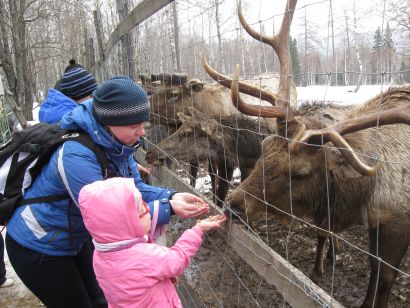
{"type": "Point", "coordinates": [148, 156]}
{"type": "Point", "coordinates": [151, 156]}
{"type": "Point", "coordinates": [233, 211]}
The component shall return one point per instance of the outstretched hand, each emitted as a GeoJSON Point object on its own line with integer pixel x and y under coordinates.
{"type": "Point", "coordinates": [187, 205]}
{"type": "Point", "coordinates": [174, 280]}
{"type": "Point", "coordinates": [211, 222]}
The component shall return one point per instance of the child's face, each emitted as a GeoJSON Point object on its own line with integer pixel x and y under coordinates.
{"type": "Point", "coordinates": [145, 218]}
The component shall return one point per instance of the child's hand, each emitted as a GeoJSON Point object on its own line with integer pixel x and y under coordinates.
{"type": "Point", "coordinates": [212, 222]}
{"type": "Point", "coordinates": [175, 280]}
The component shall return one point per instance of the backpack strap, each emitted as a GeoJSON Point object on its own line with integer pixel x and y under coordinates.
{"type": "Point", "coordinates": [84, 139]}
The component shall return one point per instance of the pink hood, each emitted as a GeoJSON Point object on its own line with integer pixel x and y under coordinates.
{"type": "Point", "coordinates": [110, 210]}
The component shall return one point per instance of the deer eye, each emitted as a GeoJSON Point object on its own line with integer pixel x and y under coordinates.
{"type": "Point", "coordinates": [299, 176]}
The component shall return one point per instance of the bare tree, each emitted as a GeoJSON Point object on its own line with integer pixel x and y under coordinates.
{"type": "Point", "coordinates": [127, 46]}
{"type": "Point", "coordinates": [221, 61]}
{"type": "Point", "coordinates": [358, 55]}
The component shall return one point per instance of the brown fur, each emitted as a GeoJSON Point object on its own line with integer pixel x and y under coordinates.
{"type": "Point", "coordinates": [219, 141]}
{"type": "Point", "coordinates": [212, 99]}
{"type": "Point", "coordinates": [322, 179]}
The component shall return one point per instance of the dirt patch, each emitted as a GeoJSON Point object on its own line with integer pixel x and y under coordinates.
{"type": "Point", "coordinates": [223, 279]}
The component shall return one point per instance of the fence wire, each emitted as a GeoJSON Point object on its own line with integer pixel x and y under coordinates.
{"type": "Point", "coordinates": [212, 151]}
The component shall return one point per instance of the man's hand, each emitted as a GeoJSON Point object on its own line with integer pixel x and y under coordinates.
{"type": "Point", "coordinates": [187, 205]}
{"type": "Point", "coordinates": [145, 170]}
{"type": "Point", "coordinates": [174, 280]}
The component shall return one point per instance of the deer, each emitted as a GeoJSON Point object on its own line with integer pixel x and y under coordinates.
{"type": "Point", "coordinates": [225, 143]}
{"type": "Point", "coordinates": [174, 93]}
{"type": "Point", "coordinates": [336, 175]}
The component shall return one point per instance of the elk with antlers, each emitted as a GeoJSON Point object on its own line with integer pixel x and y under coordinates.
{"type": "Point", "coordinates": [355, 171]}
{"type": "Point", "coordinates": [173, 93]}
{"type": "Point", "coordinates": [334, 187]}
{"type": "Point", "coordinates": [226, 143]}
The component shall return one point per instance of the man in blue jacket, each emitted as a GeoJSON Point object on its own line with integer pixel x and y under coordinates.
{"type": "Point", "coordinates": [45, 240]}
{"type": "Point", "coordinates": [76, 86]}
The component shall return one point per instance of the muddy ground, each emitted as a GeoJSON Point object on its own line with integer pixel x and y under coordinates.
{"type": "Point", "coordinates": [222, 279]}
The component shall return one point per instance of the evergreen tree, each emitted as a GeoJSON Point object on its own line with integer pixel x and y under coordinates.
{"type": "Point", "coordinates": [388, 38]}
{"type": "Point", "coordinates": [388, 46]}
{"type": "Point", "coordinates": [378, 42]}
{"type": "Point", "coordinates": [294, 55]}
{"type": "Point", "coordinates": [377, 52]}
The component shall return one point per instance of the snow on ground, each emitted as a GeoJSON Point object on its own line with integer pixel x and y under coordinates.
{"type": "Point", "coordinates": [36, 108]}
{"type": "Point", "coordinates": [342, 95]}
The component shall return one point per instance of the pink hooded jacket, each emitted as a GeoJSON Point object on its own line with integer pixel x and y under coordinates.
{"type": "Point", "coordinates": [131, 271]}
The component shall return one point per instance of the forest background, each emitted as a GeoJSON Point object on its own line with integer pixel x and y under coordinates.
{"type": "Point", "coordinates": [355, 43]}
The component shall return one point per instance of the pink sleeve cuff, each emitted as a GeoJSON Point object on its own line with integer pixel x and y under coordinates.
{"type": "Point", "coordinates": [198, 231]}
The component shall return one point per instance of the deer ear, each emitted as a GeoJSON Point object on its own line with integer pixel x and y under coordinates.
{"type": "Point", "coordinates": [197, 115]}
{"type": "Point", "coordinates": [212, 128]}
{"type": "Point", "coordinates": [194, 85]}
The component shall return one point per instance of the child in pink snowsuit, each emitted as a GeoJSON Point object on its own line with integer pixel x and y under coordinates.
{"type": "Point", "coordinates": [131, 269]}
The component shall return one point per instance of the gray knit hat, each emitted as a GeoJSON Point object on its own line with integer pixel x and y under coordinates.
{"type": "Point", "coordinates": [119, 101]}
{"type": "Point", "coordinates": [77, 83]}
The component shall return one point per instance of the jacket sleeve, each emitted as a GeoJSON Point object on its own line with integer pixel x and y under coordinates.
{"type": "Point", "coordinates": [171, 262]}
{"type": "Point", "coordinates": [151, 193]}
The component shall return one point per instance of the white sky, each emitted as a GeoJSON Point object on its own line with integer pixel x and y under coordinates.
{"type": "Point", "coordinates": [369, 13]}
{"type": "Point", "coordinates": [369, 16]}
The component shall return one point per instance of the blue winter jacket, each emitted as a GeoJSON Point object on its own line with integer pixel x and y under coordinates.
{"type": "Point", "coordinates": [57, 228]}
{"type": "Point", "coordinates": [55, 106]}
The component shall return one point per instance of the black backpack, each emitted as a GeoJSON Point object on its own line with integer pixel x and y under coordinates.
{"type": "Point", "coordinates": [25, 154]}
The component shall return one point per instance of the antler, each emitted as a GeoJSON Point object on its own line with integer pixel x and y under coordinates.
{"type": "Point", "coordinates": [279, 43]}
{"type": "Point", "coordinates": [262, 111]}
{"type": "Point", "coordinates": [243, 87]}
{"type": "Point", "coordinates": [398, 115]}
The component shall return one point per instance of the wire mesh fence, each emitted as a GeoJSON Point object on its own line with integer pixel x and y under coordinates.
{"type": "Point", "coordinates": [295, 192]}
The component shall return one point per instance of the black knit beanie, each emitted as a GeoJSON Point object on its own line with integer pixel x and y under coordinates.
{"type": "Point", "coordinates": [77, 83]}
{"type": "Point", "coordinates": [119, 101]}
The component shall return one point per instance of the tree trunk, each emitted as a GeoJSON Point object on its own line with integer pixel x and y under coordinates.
{"type": "Point", "coordinates": [128, 49]}
{"type": "Point", "coordinates": [23, 94]}
{"type": "Point", "coordinates": [221, 62]}
{"type": "Point", "coordinates": [5, 55]}
{"type": "Point", "coordinates": [100, 72]}
{"type": "Point", "coordinates": [358, 55]}
{"type": "Point", "coordinates": [176, 36]}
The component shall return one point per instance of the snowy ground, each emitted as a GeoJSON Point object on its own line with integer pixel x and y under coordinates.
{"type": "Point", "coordinates": [342, 95]}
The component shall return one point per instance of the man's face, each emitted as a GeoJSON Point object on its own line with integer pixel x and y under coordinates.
{"type": "Point", "coordinates": [129, 134]}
